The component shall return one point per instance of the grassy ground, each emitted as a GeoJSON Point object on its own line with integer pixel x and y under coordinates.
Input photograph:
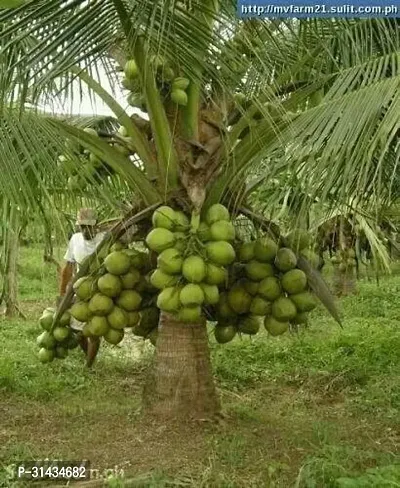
{"type": "Point", "coordinates": [317, 409]}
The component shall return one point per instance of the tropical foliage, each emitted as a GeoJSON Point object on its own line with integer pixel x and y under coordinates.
{"type": "Point", "coordinates": [223, 107]}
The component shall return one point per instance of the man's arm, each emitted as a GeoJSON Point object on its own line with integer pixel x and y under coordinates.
{"type": "Point", "coordinates": [65, 277]}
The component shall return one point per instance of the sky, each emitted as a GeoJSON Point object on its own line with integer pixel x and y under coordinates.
{"type": "Point", "coordinates": [83, 104]}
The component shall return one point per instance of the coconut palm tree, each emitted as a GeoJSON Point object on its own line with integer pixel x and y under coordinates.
{"type": "Point", "coordinates": [316, 99]}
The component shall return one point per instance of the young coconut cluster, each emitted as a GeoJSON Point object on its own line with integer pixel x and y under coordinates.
{"type": "Point", "coordinates": [109, 300]}
{"type": "Point", "coordinates": [345, 259]}
{"type": "Point", "coordinates": [269, 287]}
{"type": "Point", "coordinates": [56, 343]}
{"type": "Point", "coordinates": [192, 259]}
{"type": "Point", "coordinates": [171, 87]}
{"type": "Point", "coordinates": [131, 83]}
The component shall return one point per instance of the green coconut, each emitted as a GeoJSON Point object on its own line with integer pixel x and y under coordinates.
{"type": "Point", "coordinates": [285, 259]}
{"type": "Point", "coordinates": [130, 279]}
{"type": "Point", "coordinates": [65, 319]}
{"type": "Point", "coordinates": [194, 269]}
{"type": "Point", "coordinates": [109, 285]}
{"type": "Point", "coordinates": [98, 325]}
{"type": "Point", "coordinates": [160, 239]}
{"type": "Point", "coordinates": [305, 301]}
{"type": "Point", "coordinates": [211, 293]}
{"type": "Point", "coordinates": [215, 275]}
{"type": "Point", "coordinates": [129, 84]}
{"type": "Point", "coordinates": [60, 352]}
{"type": "Point", "coordinates": [87, 330]}
{"type": "Point", "coordinates": [298, 239]}
{"type": "Point", "coordinates": [164, 217]}
{"type": "Point", "coordinates": [180, 83]}
{"type": "Point", "coordinates": [189, 314]}
{"type": "Point", "coordinates": [80, 311]}
{"type": "Point", "coordinates": [283, 309]}
{"type": "Point", "coordinates": [265, 250]}
{"type": "Point", "coordinates": [117, 263]}
{"type": "Point", "coordinates": [100, 305]}
{"type": "Point", "coordinates": [249, 325]}
{"type": "Point", "coordinates": [251, 286]}
{"type": "Point", "coordinates": [168, 299]}
{"type": "Point", "coordinates": [113, 336]}
{"type": "Point", "coordinates": [129, 300]}
{"type": "Point", "coordinates": [224, 334]}
{"type": "Point", "coordinates": [294, 281]}
{"type": "Point", "coordinates": [61, 333]}
{"type": "Point", "coordinates": [257, 271]}
{"type": "Point", "coordinates": [170, 261]}
{"type": "Point", "coordinates": [191, 295]}
{"type": "Point", "coordinates": [161, 280]}
{"type": "Point", "coordinates": [139, 260]}
{"type": "Point", "coordinates": [182, 222]}
{"type": "Point", "coordinates": [45, 355]}
{"type": "Point", "coordinates": [46, 340]}
{"type": "Point", "coordinates": [179, 97]}
{"type": "Point", "coordinates": [130, 69]}
{"type": "Point", "coordinates": [246, 252]}
{"type": "Point", "coordinates": [270, 288]}
{"type": "Point", "coordinates": [239, 300]}
{"type": "Point", "coordinates": [220, 252]}
{"type": "Point", "coordinates": [217, 212]}
{"type": "Point", "coordinates": [46, 320]}
{"type": "Point", "coordinates": [85, 287]}
{"type": "Point", "coordinates": [224, 310]}
{"type": "Point", "coordinates": [133, 318]}
{"type": "Point", "coordinates": [222, 231]}
{"type": "Point", "coordinates": [301, 318]}
{"type": "Point", "coordinates": [275, 327]}
{"type": "Point", "coordinates": [135, 100]}
{"type": "Point", "coordinates": [203, 232]}
{"type": "Point", "coordinates": [118, 318]}
{"type": "Point", "coordinates": [261, 307]}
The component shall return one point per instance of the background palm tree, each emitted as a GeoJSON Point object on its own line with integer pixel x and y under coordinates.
{"type": "Point", "coordinates": [321, 103]}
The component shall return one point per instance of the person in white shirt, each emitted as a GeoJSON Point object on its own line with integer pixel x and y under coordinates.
{"type": "Point", "coordinates": [81, 245]}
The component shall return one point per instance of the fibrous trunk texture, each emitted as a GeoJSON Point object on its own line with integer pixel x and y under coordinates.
{"type": "Point", "coordinates": [181, 383]}
{"type": "Point", "coordinates": [11, 283]}
{"type": "Point", "coordinates": [344, 282]}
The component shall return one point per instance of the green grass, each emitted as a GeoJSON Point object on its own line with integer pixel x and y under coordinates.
{"type": "Point", "coordinates": [316, 409]}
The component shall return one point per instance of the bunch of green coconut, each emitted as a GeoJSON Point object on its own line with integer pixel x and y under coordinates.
{"type": "Point", "coordinates": [110, 300]}
{"type": "Point", "coordinates": [131, 83]}
{"type": "Point", "coordinates": [170, 86]}
{"type": "Point", "coordinates": [345, 259]}
{"type": "Point", "coordinates": [55, 344]}
{"type": "Point", "coordinates": [269, 287]}
{"type": "Point", "coordinates": [193, 256]}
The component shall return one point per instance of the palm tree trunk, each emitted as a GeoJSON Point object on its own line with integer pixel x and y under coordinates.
{"type": "Point", "coordinates": [344, 281]}
{"type": "Point", "coordinates": [11, 281]}
{"type": "Point", "coordinates": [181, 383]}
